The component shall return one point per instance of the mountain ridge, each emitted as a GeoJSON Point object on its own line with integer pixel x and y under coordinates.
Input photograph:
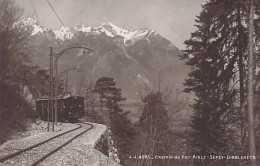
{"type": "Point", "coordinates": [134, 58]}
{"type": "Point", "coordinates": [110, 29]}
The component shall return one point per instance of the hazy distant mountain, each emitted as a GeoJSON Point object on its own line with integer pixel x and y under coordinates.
{"type": "Point", "coordinates": [133, 58]}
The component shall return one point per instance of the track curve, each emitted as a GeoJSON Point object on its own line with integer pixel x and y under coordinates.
{"type": "Point", "coordinates": [39, 160]}
{"type": "Point", "coordinates": [61, 146]}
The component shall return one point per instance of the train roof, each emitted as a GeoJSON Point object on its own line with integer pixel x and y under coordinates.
{"type": "Point", "coordinates": [44, 98]}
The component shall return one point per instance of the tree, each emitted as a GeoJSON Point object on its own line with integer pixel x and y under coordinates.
{"type": "Point", "coordinates": [218, 55]}
{"type": "Point", "coordinates": [12, 58]}
{"type": "Point", "coordinates": [200, 82]}
{"type": "Point", "coordinates": [117, 119]}
{"type": "Point", "coordinates": [155, 132]}
{"type": "Point", "coordinates": [250, 96]}
{"type": "Point", "coordinates": [154, 121]}
{"type": "Point", "coordinates": [216, 52]}
{"type": "Point", "coordinates": [103, 87]}
{"type": "Point", "coordinates": [257, 115]}
{"type": "Point", "coordinates": [90, 99]}
{"type": "Point", "coordinates": [113, 99]}
{"type": "Point", "coordinates": [18, 80]}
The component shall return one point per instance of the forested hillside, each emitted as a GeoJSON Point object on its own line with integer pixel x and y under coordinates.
{"type": "Point", "coordinates": [20, 82]}
{"type": "Point", "coordinates": [218, 55]}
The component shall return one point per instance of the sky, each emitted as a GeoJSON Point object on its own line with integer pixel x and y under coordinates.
{"type": "Point", "coordinates": [173, 19]}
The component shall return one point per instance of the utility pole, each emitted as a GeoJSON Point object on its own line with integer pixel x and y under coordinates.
{"type": "Point", "coordinates": [56, 91]}
{"type": "Point", "coordinates": [67, 79]}
{"type": "Point", "coordinates": [250, 95]}
{"type": "Point", "coordinates": [49, 91]}
{"type": "Point", "coordinates": [52, 103]}
{"type": "Point", "coordinates": [57, 55]}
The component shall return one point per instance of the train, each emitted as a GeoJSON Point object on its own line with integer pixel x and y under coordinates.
{"type": "Point", "coordinates": [70, 107]}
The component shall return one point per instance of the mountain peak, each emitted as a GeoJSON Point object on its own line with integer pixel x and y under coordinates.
{"type": "Point", "coordinates": [107, 23]}
{"type": "Point", "coordinates": [108, 28]}
{"type": "Point", "coordinates": [63, 34]}
{"type": "Point", "coordinates": [112, 28]}
{"type": "Point", "coordinates": [29, 21]}
{"type": "Point", "coordinates": [82, 28]}
{"type": "Point", "coordinates": [33, 23]}
{"type": "Point", "coordinates": [129, 35]}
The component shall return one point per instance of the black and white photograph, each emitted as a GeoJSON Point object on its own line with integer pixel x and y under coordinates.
{"type": "Point", "coordinates": [129, 82]}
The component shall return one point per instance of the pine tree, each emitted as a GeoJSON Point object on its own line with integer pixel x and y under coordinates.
{"type": "Point", "coordinates": [103, 87]}
{"type": "Point", "coordinates": [218, 55]}
{"type": "Point", "coordinates": [117, 120]}
{"type": "Point", "coordinates": [216, 52]}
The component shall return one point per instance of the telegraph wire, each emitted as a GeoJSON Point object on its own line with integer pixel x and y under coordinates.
{"type": "Point", "coordinates": [55, 12]}
{"type": "Point", "coordinates": [50, 68]}
{"type": "Point", "coordinates": [38, 18]}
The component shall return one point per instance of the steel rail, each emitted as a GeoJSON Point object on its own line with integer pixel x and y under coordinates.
{"type": "Point", "coordinates": [61, 146]}
{"type": "Point", "coordinates": [12, 155]}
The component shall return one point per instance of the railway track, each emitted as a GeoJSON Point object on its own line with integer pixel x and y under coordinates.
{"type": "Point", "coordinates": [35, 154]}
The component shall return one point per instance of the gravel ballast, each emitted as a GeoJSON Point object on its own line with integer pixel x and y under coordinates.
{"type": "Point", "coordinates": [78, 152]}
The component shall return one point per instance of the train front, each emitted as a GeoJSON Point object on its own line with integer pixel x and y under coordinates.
{"type": "Point", "coordinates": [73, 107]}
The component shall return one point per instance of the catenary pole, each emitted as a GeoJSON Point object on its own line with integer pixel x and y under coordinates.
{"type": "Point", "coordinates": [67, 79]}
{"type": "Point", "coordinates": [56, 90]}
{"type": "Point", "coordinates": [49, 93]}
{"type": "Point", "coordinates": [57, 56]}
{"type": "Point", "coordinates": [52, 103]}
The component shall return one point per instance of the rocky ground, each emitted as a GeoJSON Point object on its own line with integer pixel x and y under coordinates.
{"type": "Point", "coordinates": [79, 152]}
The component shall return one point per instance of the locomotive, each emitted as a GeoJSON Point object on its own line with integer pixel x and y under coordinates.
{"type": "Point", "coordinates": [70, 107]}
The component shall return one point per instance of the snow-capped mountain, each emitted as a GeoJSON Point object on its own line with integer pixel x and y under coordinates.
{"type": "Point", "coordinates": [112, 30]}
{"type": "Point", "coordinates": [134, 58]}
{"type": "Point", "coordinates": [63, 34]}
{"type": "Point", "coordinates": [36, 28]}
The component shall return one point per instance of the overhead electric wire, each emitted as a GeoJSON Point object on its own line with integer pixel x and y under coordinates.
{"type": "Point", "coordinates": [37, 16]}
{"type": "Point", "coordinates": [35, 11]}
{"type": "Point", "coordinates": [55, 12]}
{"type": "Point", "coordinates": [48, 41]}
